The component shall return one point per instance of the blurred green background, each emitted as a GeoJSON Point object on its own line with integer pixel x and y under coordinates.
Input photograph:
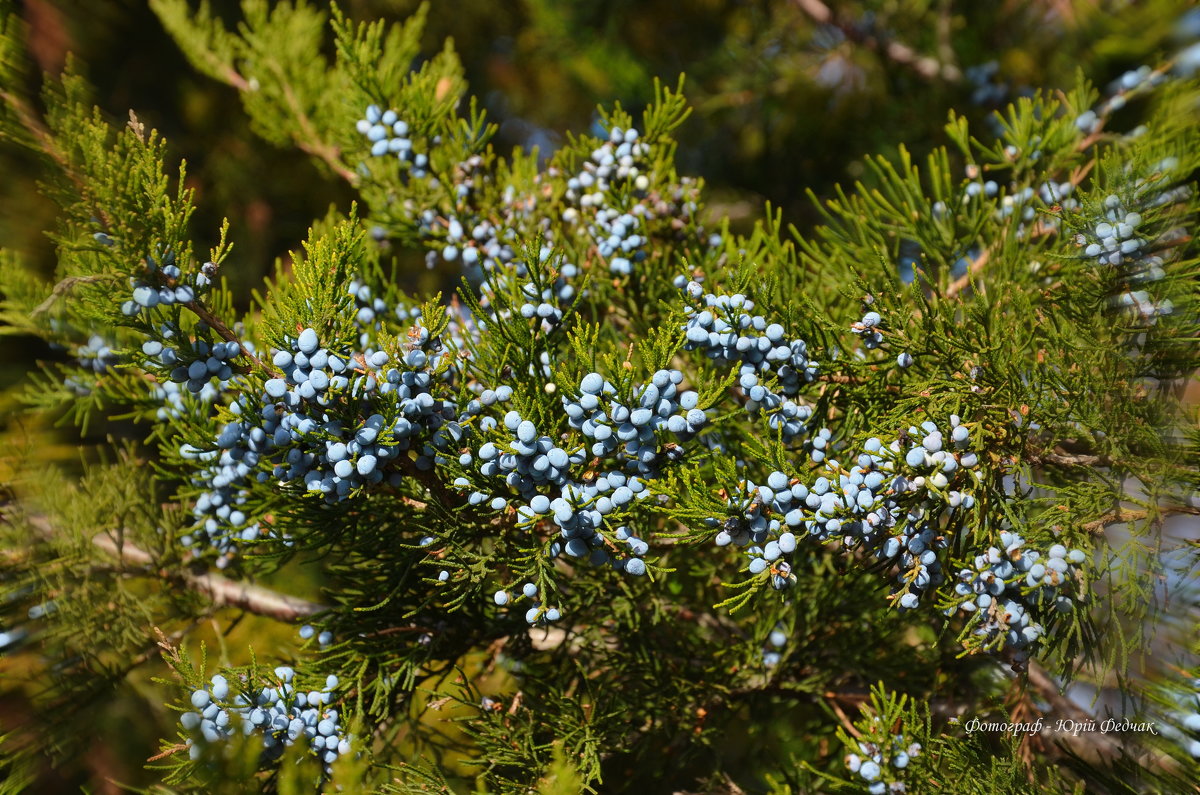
{"type": "Point", "coordinates": [788, 97]}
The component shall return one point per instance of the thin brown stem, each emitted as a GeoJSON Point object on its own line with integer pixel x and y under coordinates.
{"type": "Point", "coordinates": [310, 142]}
{"type": "Point", "coordinates": [66, 285]}
{"type": "Point", "coordinates": [217, 325]}
{"type": "Point", "coordinates": [831, 699]}
{"type": "Point", "coordinates": [977, 265]}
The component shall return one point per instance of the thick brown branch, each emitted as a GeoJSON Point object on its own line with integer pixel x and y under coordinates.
{"type": "Point", "coordinates": [222, 591]}
{"type": "Point", "coordinates": [1071, 460]}
{"type": "Point", "coordinates": [1089, 744]}
{"type": "Point", "coordinates": [1092, 744]}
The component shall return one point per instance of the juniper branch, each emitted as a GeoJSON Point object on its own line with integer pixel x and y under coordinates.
{"type": "Point", "coordinates": [1091, 745]}
{"type": "Point", "coordinates": [311, 143]}
{"type": "Point", "coordinates": [66, 285]}
{"type": "Point", "coordinates": [222, 591]}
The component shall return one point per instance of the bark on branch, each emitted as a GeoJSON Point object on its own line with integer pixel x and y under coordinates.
{"type": "Point", "coordinates": [223, 591]}
{"type": "Point", "coordinates": [1093, 745]}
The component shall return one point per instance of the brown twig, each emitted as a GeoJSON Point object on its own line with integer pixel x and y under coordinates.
{"type": "Point", "coordinates": [896, 51]}
{"type": "Point", "coordinates": [977, 265]}
{"type": "Point", "coordinates": [66, 285]}
{"type": "Point", "coordinates": [1120, 516]}
{"type": "Point", "coordinates": [309, 141]}
{"type": "Point", "coordinates": [831, 698]}
{"type": "Point", "coordinates": [223, 331]}
{"type": "Point", "coordinates": [1071, 459]}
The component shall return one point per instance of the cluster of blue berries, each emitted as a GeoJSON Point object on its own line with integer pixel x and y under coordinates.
{"type": "Point", "coordinates": [204, 360]}
{"type": "Point", "coordinates": [618, 238]}
{"type": "Point", "coordinates": [722, 327]}
{"type": "Point", "coordinates": [1019, 202]}
{"type": "Point", "coordinates": [219, 511]}
{"type": "Point", "coordinates": [889, 500]}
{"type": "Point", "coordinates": [1113, 239]}
{"type": "Point", "coordinates": [298, 425]}
{"type": "Point", "coordinates": [477, 244]}
{"type": "Point", "coordinates": [172, 288]}
{"type": "Point", "coordinates": [96, 355]}
{"type": "Point", "coordinates": [1022, 205]}
{"type": "Point", "coordinates": [537, 612]}
{"type": "Point", "coordinates": [621, 158]}
{"type": "Point", "coordinates": [527, 462]}
{"type": "Point", "coordinates": [97, 358]}
{"type": "Point", "coordinates": [620, 447]}
{"type": "Point", "coordinates": [538, 304]}
{"type": "Point", "coordinates": [315, 378]}
{"type": "Point", "coordinates": [629, 430]}
{"type": "Point", "coordinates": [617, 231]}
{"type": "Point", "coordinates": [882, 767]}
{"type": "Point", "coordinates": [483, 246]}
{"type": "Point", "coordinates": [389, 135]}
{"type": "Point", "coordinates": [915, 549]}
{"type": "Point", "coordinates": [1009, 589]}
{"type": "Point", "coordinates": [598, 213]}
{"type": "Point", "coordinates": [282, 715]}
{"type": "Point", "coordinates": [487, 256]}
{"type": "Point", "coordinates": [868, 331]}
